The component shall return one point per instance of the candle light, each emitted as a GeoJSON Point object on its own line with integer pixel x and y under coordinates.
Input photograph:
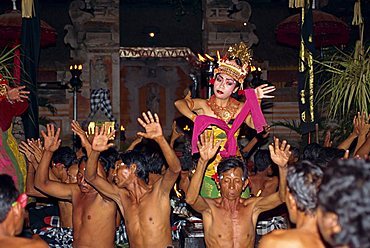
{"type": "Point", "coordinates": [122, 136]}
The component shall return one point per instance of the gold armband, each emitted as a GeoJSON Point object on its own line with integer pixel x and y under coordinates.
{"type": "Point", "coordinates": [3, 90]}
{"type": "Point", "coordinates": [192, 117]}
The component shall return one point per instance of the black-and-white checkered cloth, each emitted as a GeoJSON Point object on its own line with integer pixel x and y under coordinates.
{"type": "Point", "coordinates": [58, 237]}
{"type": "Point", "coordinates": [100, 99]}
{"type": "Point", "coordinates": [264, 227]}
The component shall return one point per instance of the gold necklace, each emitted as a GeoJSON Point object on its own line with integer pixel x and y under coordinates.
{"type": "Point", "coordinates": [224, 113]}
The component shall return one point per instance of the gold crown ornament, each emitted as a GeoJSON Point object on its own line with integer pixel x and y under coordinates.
{"type": "Point", "coordinates": [229, 66]}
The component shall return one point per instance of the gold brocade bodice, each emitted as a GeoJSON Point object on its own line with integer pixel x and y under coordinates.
{"type": "Point", "coordinates": [219, 134]}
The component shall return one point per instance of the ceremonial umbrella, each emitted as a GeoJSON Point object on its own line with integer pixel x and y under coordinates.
{"type": "Point", "coordinates": [11, 27]}
{"type": "Point", "coordinates": [328, 30]}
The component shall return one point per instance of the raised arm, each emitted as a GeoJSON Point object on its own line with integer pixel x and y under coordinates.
{"type": "Point", "coordinates": [207, 151]}
{"type": "Point", "coordinates": [187, 105]}
{"type": "Point", "coordinates": [175, 134]}
{"type": "Point", "coordinates": [76, 128]}
{"type": "Point", "coordinates": [280, 154]}
{"type": "Point", "coordinates": [134, 143]}
{"type": "Point", "coordinates": [363, 127]}
{"type": "Point", "coordinates": [99, 144]}
{"type": "Point", "coordinates": [32, 163]}
{"type": "Point", "coordinates": [261, 91]}
{"type": "Point", "coordinates": [42, 181]}
{"type": "Point", "coordinates": [153, 130]}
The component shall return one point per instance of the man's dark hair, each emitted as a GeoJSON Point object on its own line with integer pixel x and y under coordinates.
{"type": "Point", "coordinates": [8, 195]}
{"type": "Point", "coordinates": [311, 152]}
{"type": "Point", "coordinates": [82, 159]}
{"type": "Point", "coordinates": [108, 158]}
{"type": "Point", "coordinates": [328, 154]}
{"type": "Point", "coordinates": [345, 191]}
{"type": "Point", "coordinates": [133, 157]}
{"type": "Point", "coordinates": [64, 155]}
{"type": "Point", "coordinates": [231, 163]}
{"type": "Point", "coordinates": [303, 181]}
{"type": "Point", "coordinates": [262, 160]}
{"type": "Point", "coordinates": [154, 163]}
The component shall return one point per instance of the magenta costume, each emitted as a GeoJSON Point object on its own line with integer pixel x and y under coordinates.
{"type": "Point", "coordinates": [250, 106]}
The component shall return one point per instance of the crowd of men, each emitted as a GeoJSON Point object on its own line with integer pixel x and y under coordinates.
{"type": "Point", "coordinates": [100, 190]}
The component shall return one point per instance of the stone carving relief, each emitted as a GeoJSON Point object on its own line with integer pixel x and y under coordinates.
{"type": "Point", "coordinates": [76, 33]}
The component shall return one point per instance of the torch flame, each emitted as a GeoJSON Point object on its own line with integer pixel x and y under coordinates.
{"type": "Point", "coordinates": [178, 194]}
{"type": "Point", "coordinates": [209, 57]}
{"type": "Point", "coordinates": [259, 193]}
{"type": "Point", "coordinates": [201, 58]}
{"type": "Point", "coordinates": [218, 55]}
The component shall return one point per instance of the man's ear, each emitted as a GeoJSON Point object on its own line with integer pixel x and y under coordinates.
{"type": "Point", "coordinates": [133, 168]}
{"type": "Point", "coordinates": [332, 222]}
{"type": "Point", "coordinates": [218, 184]}
{"type": "Point", "coordinates": [245, 183]}
{"type": "Point", "coordinates": [292, 203]}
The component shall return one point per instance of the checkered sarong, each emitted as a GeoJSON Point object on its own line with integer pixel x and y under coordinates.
{"type": "Point", "coordinates": [58, 237]}
{"type": "Point", "coordinates": [99, 99]}
{"type": "Point", "coordinates": [266, 226]}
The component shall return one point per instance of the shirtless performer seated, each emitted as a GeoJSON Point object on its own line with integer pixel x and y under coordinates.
{"type": "Point", "coordinates": [146, 208]}
{"type": "Point", "coordinates": [303, 182]}
{"type": "Point", "coordinates": [12, 216]}
{"type": "Point", "coordinates": [92, 227]}
{"type": "Point", "coordinates": [229, 221]}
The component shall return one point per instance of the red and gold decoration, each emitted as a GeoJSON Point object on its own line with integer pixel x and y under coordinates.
{"type": "Point", "coordinates": [224, 113]}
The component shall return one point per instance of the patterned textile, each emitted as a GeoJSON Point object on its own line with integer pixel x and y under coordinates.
{"type": "Point", "coordinates": [266, 226]}
{"type": "Point", "coordinates": [99, 99]}
{"type": "Point", "coordinates": [12, 161]}
{"type": "Point", "coordinates": [58, 237]}
{"type": "Point", "coordinates": [121, 235]}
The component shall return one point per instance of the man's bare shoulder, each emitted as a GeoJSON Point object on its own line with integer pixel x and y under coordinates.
{"type": "Point", "coordinates": [23, 242]}
{"type": "Point", "coordinates": [293, 238]}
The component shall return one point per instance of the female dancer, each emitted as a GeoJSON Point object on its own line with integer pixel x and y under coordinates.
{"type": "Point", "coordinates": [223, 113]}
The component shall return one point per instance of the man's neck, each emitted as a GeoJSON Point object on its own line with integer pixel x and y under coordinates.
{"type": "Point", "coordinates": [137, 189]}
{"type": "Point", "coordinates": [307, 222]}
{"type": "Point", "coordinates": [230, 205]}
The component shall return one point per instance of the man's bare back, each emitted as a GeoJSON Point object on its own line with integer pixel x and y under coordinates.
{"type": "Point", "coordinates": [263, 185]}
{"type": "Point", "coordinates": [22, 242]}
{"type": "Point", "coordinates": [293, 238]}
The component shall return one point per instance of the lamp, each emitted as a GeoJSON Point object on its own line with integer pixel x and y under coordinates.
{"type": "Point", "coordinates": [75, 85]}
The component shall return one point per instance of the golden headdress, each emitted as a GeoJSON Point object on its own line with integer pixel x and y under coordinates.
{"type": "Point", "coordinates": [229, 67]}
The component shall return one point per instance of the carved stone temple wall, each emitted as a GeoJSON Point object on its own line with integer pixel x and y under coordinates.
{"type": "Point", "coordinates": [152, 79]}
{"type": "Point", "coordinates": [93, 38]}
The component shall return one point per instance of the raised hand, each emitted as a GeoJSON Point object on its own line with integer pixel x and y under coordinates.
{"type": "Point", "coordinates": [17, 94]}
{"type": "Point", "coordinates": [206, 146]}
{"type": "Point", "coordinates": [327, 140]}
{"type": "Point", "coordinates": [151, 125]}
{"type": "Point", "coordinates": [77, 129]}
{"type": "Point", "coordinates": [101, 138]}
{"type": "Point", "coordinates": [51, 139]}
{"type": "Point", "coordinates": [279, 152]}
{"type": "Point", "coordinates": [263, 90]}
{"type": "Point", "coordinates": [175, 134]}
{"type": "Point", "coordinates": [36, 148]}
{"type": "Point", "coordinates": [362, 124]}
{"type": "Point", "coordinates": [25, 149]}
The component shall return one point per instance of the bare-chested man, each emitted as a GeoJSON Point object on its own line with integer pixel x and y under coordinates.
{"type": "Point", "coordinates": [303, 181]}
{"type": "Point", "coordinates": [263, 183]}
{"type": "Point", "coordinates": [12, 216]}
{"type": "Point", "coordinates": [92, 227]}
{"type": "Point", "coordinates": [229, 221]}
{"type": "Point", "coordinates": [62, 169]}
{"type": "Point", "coordinates": [146, 208]}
